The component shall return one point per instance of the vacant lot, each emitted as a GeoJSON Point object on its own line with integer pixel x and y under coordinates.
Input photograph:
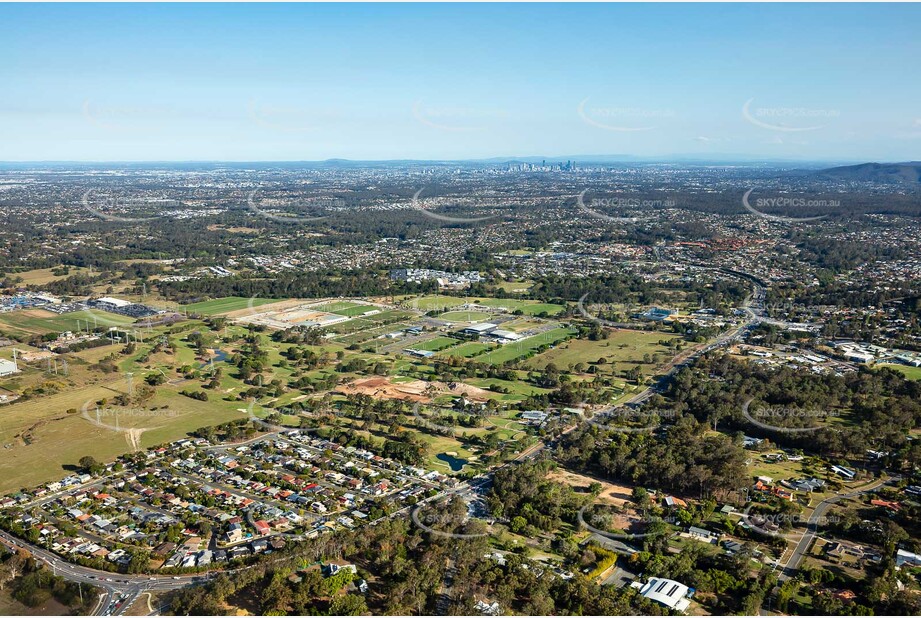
{"type": "Point", "coordinates": [40, 438]}
{"type": "Point", "coordinates": [611, 493]}
{"type": "Point", "coordinates": [42, 276]}
{"type": "Point", "coordinates": [516, 287]}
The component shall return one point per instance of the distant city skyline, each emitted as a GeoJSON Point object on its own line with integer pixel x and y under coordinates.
{"type": "Point", "coordinates": [287, 82]}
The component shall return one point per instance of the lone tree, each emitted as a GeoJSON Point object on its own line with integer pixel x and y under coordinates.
{"type": "Point", "coordinates": [88, 463]}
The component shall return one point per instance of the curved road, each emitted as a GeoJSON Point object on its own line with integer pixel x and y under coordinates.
{"type": "Point", "coordinates": [812, 527]}
{"type": "Point", "coordinates": [117, 587]}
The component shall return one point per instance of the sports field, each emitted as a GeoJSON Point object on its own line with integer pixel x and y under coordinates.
{"type": "Point", "coordinates": [226, 305]}
{"type": "Point", "coordinates": [512, 351]}
{"type": "Point", "coordinates": [435, 345]}
{"type": "Point", "coordinates": [465, 316]}
{"type": "Point", "coordinates": [466, 350]}
{"type": "Point", "coordinates": [428, 303]}
{"type": "Point", "coordinates": [346, 308]}
{"type": "Point", "coordinates": [528, 307]}
{"type": "Point", "coordinates": [39, 321]}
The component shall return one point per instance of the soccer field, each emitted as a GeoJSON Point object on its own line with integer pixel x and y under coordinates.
{"type": "Point", "coordinates": [435, 345]}
{"type": "Point", "coordinates": [511, 351]}
{"type": "Point", "coordinates": [39, 321]}
{"type": "Point", "coordinates": [465, 350]}
{"type": "Point", "coordinates": [528, 307]}
{"type": "Point", "coordinates": [226, 305]}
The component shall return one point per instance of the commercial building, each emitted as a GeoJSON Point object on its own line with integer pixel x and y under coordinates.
{"type": "Point", "coordinates": [109, 304]}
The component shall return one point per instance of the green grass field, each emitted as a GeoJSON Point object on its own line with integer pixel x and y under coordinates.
{"type": "Point", "coordinates": [435, 345]}
{"type": "Point", "coordinates": [516, 286]}
{"type": "Point", "coordinates": [512, 351]}
{"type": "Point", "coordinates": [428, 303]}
{"type": "Point", "coordinates": [390, 315]}
{"type": "Point", "coordinates": [912, 373]}
{"type": "Point", "coordinates": [38, 321]}
{"type": "Point", "coordinates": [465, 316]}
{"type": "Point", "coordinates": [528, 307]}
{"type": "Point", "coordinates": [43, 276]}
{"type": "Point", "coordinates": [466, 350]}
{"type": "Point", "coordinates": [623, 349]}
{"type": "Point", "coordinates": [226, 305]}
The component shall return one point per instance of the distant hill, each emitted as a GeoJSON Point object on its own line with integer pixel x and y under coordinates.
{"type": "Point", "coordinates": [891, 173]}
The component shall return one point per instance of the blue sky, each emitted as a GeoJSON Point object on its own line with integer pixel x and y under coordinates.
{"type": "Point", "coordinates": [306, 82]}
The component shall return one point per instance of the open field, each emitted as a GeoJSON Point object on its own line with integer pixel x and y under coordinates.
{"type": "Point", "coordinates": [511, 351]}
{"type": "Point", "coordinates": [516, 287]}
{"type": "Point", "coordinates": [912, 373]}
{"type": "Point", "coordinates": [437, 301]}
{"type": "Point", "coordinates": [436, 344]}
{"type": "Point", "coordinates": [522, 324]}
{"type": "Point", "coordinates": [336, 306]}
{"type": "Point", "coordinates": [466, 350]}
{"type": "Point", "coordinates": [465, 316]}
{"type": "Point", "coordinates": [39, 438]}
{"type": "Point", "coordinates": [226, 305]}
{"type": "Point", "coordinates": [43, 276]}
{"type": "Point", "coordinates": [347, 308]}
{"type": "Point", "coordinates": [528, 307]}
{"type": "Point", "coordinates": [623, 349]}
{"type": "Point", "coordinates": [611, 493]}
{"type": "Point", "coordinates": [39, 321]}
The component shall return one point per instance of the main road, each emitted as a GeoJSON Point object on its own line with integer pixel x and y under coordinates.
{"type": "Point", "coordinates": [119, 591]}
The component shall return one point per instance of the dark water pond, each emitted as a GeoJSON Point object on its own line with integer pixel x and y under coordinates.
{"type": "Point", "coordinates": [456, 463]}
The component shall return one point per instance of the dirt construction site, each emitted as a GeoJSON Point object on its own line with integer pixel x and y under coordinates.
{"type": "Point", "coordinates": [415, 390]}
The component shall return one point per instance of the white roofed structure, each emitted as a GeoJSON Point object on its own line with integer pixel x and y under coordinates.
{"type": "Point", "coordinates": [667, 592]}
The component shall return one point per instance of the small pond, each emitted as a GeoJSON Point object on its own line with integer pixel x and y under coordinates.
{"type": "Point", "coordinates": [456, 463]}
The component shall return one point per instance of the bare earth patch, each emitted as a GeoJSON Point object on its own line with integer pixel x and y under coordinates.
{"type": "Point", "coordinates": [611, 493]}
{"type": "Point", "coordinates": [414, 390]}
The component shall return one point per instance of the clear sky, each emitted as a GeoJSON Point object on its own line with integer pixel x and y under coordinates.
{"type": "Point", "coordinates": [306, 82]}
